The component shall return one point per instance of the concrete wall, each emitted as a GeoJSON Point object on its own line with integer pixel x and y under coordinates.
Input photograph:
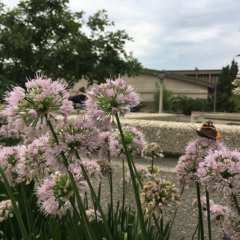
{"type": "Point", "coordinates": [173, 137]}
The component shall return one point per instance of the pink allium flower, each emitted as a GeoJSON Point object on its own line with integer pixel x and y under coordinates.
{"type": "Point", "coordinates": [134, 139]}
{"type": "Point", "coordinates": [187, 170]}
{"type": "Point", "coordinates": [6, 131]}
{"type": "Point", "coordinates": [92, 169]}
{"type": "Point", "coordinates": [78, 134]}
{"type": "Point", "coordinates": [110, 98]}
{"type": "Point", "coordinates": [220, 172]}
{"type": "Point", "coordinates": [104, 138]}
{"type": "Point", "coordinates": [152, 151]}
{"type": "Point", "coordinates": [9, 159]}
{"type": "Point", "coordinates": [93, 215]}
{"type": "Point", "coordinates": [54, 194]}
{"type": "Point", "coordinates": [42, 97]}
{"type": "Point", "coordinates": [196, 151]}
{"type": "Point", "coordinates": [6, 210]}
{"type": "Point", "coordinates": [33, 163]}
{"type": "Point", "coordinates": [202, 146]}
{"type": "Point", "coordinates": [158, 194]}
{"type": "Point", "coordinates": [203, 203]}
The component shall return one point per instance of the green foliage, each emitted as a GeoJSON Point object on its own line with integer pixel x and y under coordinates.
{"type": "Point", "coordinates": [167, 96]}
{"type": "Point", "coordinates": [225, 100]}
{"type": "Point", "coordinates": [179, 104]}
{"type": "Point", "coordinates": [186, 105]}
{"type": "Point", "coordinates": [45, 36]}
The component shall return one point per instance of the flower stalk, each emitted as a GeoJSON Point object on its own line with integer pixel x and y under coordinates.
{"type": "Point", "coordinates": [137, 197]}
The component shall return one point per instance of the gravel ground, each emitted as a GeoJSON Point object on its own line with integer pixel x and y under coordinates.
{"type": "Point", "coordinates": [186, 218]}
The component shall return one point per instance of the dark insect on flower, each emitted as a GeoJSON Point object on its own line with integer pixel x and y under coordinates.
{"type": "Point", "coordinates": [208, 131]}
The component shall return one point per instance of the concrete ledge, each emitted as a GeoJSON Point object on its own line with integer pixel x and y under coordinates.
{"type": "Point", "coordinates": [173, 137]}
{"type": "Point", "coordinates": [217, 118]}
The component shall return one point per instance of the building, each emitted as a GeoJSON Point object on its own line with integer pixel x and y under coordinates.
{"type": "Point", "coordinates": [191, 83]}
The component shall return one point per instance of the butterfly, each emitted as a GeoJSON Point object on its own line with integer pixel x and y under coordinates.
{"type": "Point", "coordinates": [208, 131]}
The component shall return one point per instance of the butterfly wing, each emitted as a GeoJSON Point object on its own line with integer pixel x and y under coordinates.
{"type": "Point", "coordinates": [208, 131]}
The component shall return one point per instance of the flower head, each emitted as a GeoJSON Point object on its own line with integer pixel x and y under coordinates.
{"type": "Point", "coordinates": [34, 162]}
{"type": "Point", "coordinates": [54, 194]}
{"type": "Point", "coordinates": [75, 135]}
{"type": "Point", "coordinates": [134, 140]}
{"type": "Point", "coordinates": [220, 172]}
{"type": "Point", "coordinates": [6, 210]}
{"type": "Point", "coordinates": [9, 160]}
{"type": "Point", "coordinates": [93, 215]}
{"type": "Point", "coordinates": [111, 97]}
{"type": "Point", "coordinates": [187, 170]}
{"type": "Point", "coordinates": [152, 151]}
{"type": "Point", "coordinates": [158, 194]}
{"type": "Point", "coordinates": [43, 97]}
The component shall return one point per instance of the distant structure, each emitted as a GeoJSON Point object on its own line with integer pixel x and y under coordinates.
{"type": "Point", "coordinates": [191, 83]}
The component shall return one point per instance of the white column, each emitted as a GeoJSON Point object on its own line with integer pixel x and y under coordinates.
{"type": "Point", "coordinates": [161, 97]}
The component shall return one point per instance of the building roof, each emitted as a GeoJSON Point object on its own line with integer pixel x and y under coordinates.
{"type": "Point", "coordinates": [173, 75]}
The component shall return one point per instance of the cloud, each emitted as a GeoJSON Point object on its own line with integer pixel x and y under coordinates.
{"type": "Point", "coordinates": [173, 34]}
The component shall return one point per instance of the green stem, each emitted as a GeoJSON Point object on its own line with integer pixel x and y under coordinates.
{"type": "Point", "coordinates": [14, 205]}
{"type": "Point", "coordinates": [200, 211]}
{"type": "Point", "coordinates": [124, 194]}
{"type": "Point", "coordinates": [159, 229]}
{"type": "Point", "coordinates": [111, 196]}
{"type": "Point", "coordinates": [76, 191]}
{"type": "Point", "coordinates": [94, 197]}
{"type": "Point", "coordinates": [136, 173]}
{"type": "Point", "coordinates": [208, 215]}
{"type": "Point", "coordinates": [195, 232]}
{"type": "Point", "coordinates": [236, 203]}
{"type": "Point", "coordinates": [175, 213]}
{"type": "Point", "coordinates": [135, 188]}
{"type": "Point", "coordinates": [152, 166]}
{"type": "Point", "coordinates": [161, 220]}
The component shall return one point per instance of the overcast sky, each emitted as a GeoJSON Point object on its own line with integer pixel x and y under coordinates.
{"type": "Point", "coordinates": [173, 34]}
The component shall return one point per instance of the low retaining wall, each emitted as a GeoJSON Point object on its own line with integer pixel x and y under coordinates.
{"type": "Point", "coordinates": [173, 137]}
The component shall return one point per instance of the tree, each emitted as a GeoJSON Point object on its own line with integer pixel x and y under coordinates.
{"type": "Point", "coordinates": [45, 36]}
{"type": "Point", "coordinates": [224, 101]}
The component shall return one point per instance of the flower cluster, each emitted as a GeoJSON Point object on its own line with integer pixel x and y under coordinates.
{"type": "Point", "coordinates": [110, 98]}
{"type": "Point", "coordinates": [6, 210]}
{"type": "Point", "coordinates": [9, 160]}
{"type": "Point", "coordinates": [75, 135]}
{"type": "Point", "coordinates": [54, 194]}
{"type": "Point", "coordinates": [106, 167]}
{"type": "Point", "coordinates": [220, 172]}
{"type": "Point", "coordinates": [104, 138]}
{"type": "Point", "coordinates": [92, 169]}
{"type": "Point", "coordinates": [200, 147]}
{"type": "Point", "coordinates": [43, 97]}
{"type": "Point", "coordinates": [33, 163]}
{"type": "Point", "coordinates": [134, 140]}
{"type": "Point", "coordinates": [196, 151]}
{"type": "Point", "coordinates": [155, 171]}
{"type": "Point", "coordinates": [152, 151]}
{"type": "Point", "coordinates": [158, 194]}
{"type": "Point", "coordinates": [236, 83]}
{"type": "Point", "coordinates": [186, 170]}
{"type": "Point", "coordinates": [6, 131]}
{"type": "Point", "coordinates": [93, 215]}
